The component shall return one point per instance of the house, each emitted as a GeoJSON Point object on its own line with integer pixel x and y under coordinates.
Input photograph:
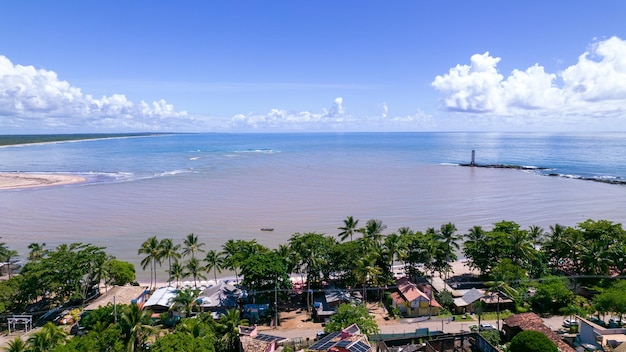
{"type": "Point", "coordinates": [467, 302]}
{"type": "Point", "coordinates": [220, 298]}
{"type": "Point", "coordinates": [120, 295]}
{"type": "Point", "coordinates": [335, 297]}
{"type": "Point", "coordinates": [413, 302]}
{"type": "Point", "coordinates": [252, 341]}
{"type": "Point", "coordinates": [161, 300]}
{"type": "Point", "coordinates": [517, 323]}
{"type": "Point", "coordinates": [594, 334]}
{"type": "Point", "coordinates": [349, 339]}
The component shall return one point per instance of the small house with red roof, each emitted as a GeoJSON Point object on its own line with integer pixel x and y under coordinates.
{"type": "Point", "coordinates": [414, 300]}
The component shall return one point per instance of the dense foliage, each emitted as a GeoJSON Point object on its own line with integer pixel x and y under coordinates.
{"type": "Point", "coordinates": [531, 341]}
{"type": "Point", "coordinates": [349, 314]}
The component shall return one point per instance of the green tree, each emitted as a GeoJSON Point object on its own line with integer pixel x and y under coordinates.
{"type": "Point", "coordinates": [194, 269]}
{"type": "Point", "coordinates": [214, 262]}
{"type": "Point", "coordinates": [152, 251]}
{"type": "Point", "coordinates": [37, 251]}
{"type": "Point", "coordinates": [179, 341]}
{"type": "Point", "coordinates": [552, 294]}
{"type": "Point", "coordinates": [120, 273]}
{"type": "Point", "coordinates": [136, 327]}
{"type": "Point", "coordinates": [532, 341]}
{"type": "Point", "coordinates": [168, 250]}
{"type": "Point", "coordinates": [348, 229]}
{"type": "Point", "coordinates": [47, 338]}
{"type": "Point", "coordinates": [176, 272]}
{"type": "Point", "coordinates": [192, 245]}
{"type": "Point", "coordinates": [184, 301]}
{"type": "Point", "coordinates": [348, 314]}
{"type": "Point", "coordinates": [229, 328]}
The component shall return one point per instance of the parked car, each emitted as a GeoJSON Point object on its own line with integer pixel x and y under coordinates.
{"type": "Point", "coordinates": [597, 321]}
{"type": "Point", "coordinates": [569, 322]}
{"type": "Point", "coordinates": [486, 327]}
{"type": "Point", "coordinates": [615, 322]}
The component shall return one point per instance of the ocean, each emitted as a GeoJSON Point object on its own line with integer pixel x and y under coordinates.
{"type": "Point", "coordinates": [229, 186]}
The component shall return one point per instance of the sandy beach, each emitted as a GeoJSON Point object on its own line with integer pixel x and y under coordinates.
{"type": "Point", "coordinates": [29, 180]}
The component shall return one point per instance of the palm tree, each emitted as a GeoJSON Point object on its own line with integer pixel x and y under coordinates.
{"type": "Point", "coordinates": [192, 245]}
{"type": "Point", "coordinates": [348, 229]}
{"type": "Point", "coordinates": [185, 300]}
{"type": "Point", "coordinates": [366, 270]}
{"type": "Point", "coordinates": [47, 338]}
{"type": "Point", "coordinates": [214, 261]}
{"type": "Point", "coordinates": [7, 254]}
{"type": "Point", "coordinates": [373, 231]}
{"type": "Point", "coordinates": [193, 268]}
{"type": "Point", "coordinates": [136, 326]}
{"type": "Point", "coordinates": [231, 252]}
{"type": "Point", "coordinates": [396, 247]}
{"type": "Point", "coordinates": [16, 345]}
{"type": "Point", "coordinates": [230, 323]}
{"type": "Point", "coordinates": [37, 251]}
{"type": "Point", "coordinates": [152, 250]}
{"type": "Point", "coordinates": [169, 251]}
{"type": "Point", "coordinates": [176, 272]}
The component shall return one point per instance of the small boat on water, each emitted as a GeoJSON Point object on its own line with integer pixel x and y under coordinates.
{"type": "Point", "coordinates": [267, 229]}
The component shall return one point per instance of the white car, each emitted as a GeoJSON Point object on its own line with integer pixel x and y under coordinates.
{"type": "Point", "coordinates": [485, 327]}
{"type": "Point", "coordinates": [569, 322]}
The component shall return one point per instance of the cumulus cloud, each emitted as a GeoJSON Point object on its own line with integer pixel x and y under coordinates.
{"type": "Point", "coordinates": [31, 97]}
{"type": "Point", "coordinates": [595, 85]}
{"type": "Point", "coordinates": [333, 118]}
{"type": "Point", "coordinates": [277, 118]}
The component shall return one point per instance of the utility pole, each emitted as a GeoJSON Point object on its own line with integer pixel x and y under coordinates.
{"type": "Point", "coordinates": [276, 303]}
{"type": "Point", "coordinates": [114, 310]}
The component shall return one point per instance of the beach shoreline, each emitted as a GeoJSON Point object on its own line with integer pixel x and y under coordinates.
{"type": "Point", "coordinates": [17, 180]}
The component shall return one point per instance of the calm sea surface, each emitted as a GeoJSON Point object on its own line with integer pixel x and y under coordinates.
{"type": "Point", "coordinates": [229, 186]}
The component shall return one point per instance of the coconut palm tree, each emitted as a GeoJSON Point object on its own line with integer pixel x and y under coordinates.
{"type": "Point", "coordinates": [168, 250]}
{"type": "Point", "coordinates": [348, 229]}
{"type": "Point", "coordinates": [185, 300]}
{"type": "Point", "coordinates": [192, 245]}
{"type": "Point", "coordinates": [214, 261]}
{"type": "Point", "coordinates": [231, 252]}
{"type": "Point", "coordinates": [373, 231]}
{"type": "Point", "coordinates": [395, 246]}
{"type": "Point", "coordinates": [193, 268]}
{"type": "Point", "coordinates": [152, 251]}
{"type": "Point", "coordinates": [47, 338]}
{"type": "Point", "coordinates": [136, 326]}
{"type": "Point", "coordinates": [229, 324]}
{"type": "Point", "coordinates": [365, 270]}
{"type": "Point", "coordinates": [37, 251]}
{"type": "Point", "coordinates": [176, 272]}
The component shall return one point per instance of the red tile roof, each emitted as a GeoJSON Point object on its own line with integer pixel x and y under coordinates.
{"type": "Point", "coordinates": [531, 321]}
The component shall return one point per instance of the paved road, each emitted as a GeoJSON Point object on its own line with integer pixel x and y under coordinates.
{"type": "Point", "coordinates": [409, 325]}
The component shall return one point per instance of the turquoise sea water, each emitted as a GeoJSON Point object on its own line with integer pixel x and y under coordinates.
{"type": "Point", "coordinates": [223, 186]}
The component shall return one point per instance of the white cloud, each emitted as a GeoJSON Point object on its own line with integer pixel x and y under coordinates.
{"type": "Point", "coordinates": [594, 86]}
{"type": "Point", "coordinates": [282, 119]}
{"type": "Point", "coordinates": [32, 98]}
{"type": "Point", "coordinates": [334, 118]}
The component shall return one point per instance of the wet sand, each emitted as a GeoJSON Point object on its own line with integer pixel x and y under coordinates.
{"type": "Point", "coordinates": [30, 180]}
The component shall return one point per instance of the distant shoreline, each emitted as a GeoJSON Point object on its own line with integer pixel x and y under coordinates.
{"type": "Point", "coordinates": [11, 140]}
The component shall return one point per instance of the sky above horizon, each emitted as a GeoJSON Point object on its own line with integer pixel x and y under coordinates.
{"type": "Point", "coordinates": [274, 66]}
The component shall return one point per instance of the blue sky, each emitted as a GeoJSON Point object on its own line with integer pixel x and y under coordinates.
{"type": "Point", "coordinates": [271, 66]}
